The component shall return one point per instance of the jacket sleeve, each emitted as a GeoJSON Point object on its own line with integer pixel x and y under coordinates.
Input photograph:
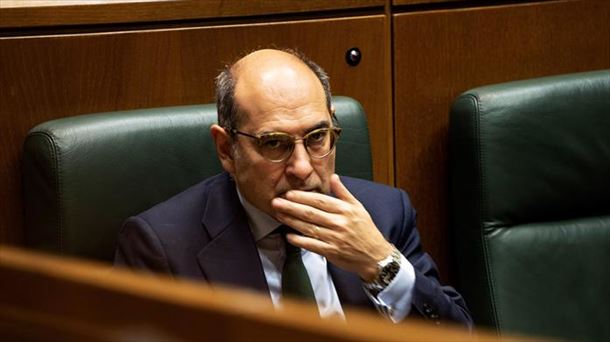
{"type": "Point", "coordinates": [139, 248]}
{"type": "Point", "coordinates": [430, 299]}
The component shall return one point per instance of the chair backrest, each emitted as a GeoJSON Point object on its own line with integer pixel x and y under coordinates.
{"type": "Point", "coordinates": [530, 204]}
{"type": "Point", "coordinates": [84, 175]}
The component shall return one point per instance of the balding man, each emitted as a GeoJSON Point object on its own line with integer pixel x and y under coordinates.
{"type": "Point", "coordinates": [279, 220]}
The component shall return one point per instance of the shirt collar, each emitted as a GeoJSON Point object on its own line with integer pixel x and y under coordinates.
{"type": "Point", "coordinates": [261, 224]}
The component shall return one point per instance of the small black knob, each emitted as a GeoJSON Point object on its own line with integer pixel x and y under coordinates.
{"type": "Point", "coordinates": [353, 56]}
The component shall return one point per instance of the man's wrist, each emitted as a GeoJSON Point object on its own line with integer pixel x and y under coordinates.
{"type": "Point", "coordinates": [371, 271]}
{"type": "Point", "coordinates": [386, 271]}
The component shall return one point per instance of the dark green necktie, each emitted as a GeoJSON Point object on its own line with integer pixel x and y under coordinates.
{"type": "Point", "coordinates": [295, 280]}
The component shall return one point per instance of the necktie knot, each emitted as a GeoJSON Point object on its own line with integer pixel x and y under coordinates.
{"type": "Point", "coordinates": [283, 230]}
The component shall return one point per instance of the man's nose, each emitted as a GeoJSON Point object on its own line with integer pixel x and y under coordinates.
{"type": "Point", "coordinates": [299, 163]}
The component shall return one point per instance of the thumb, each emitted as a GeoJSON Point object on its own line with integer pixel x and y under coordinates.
{"type": "Point", "coordinates": [340, 190]}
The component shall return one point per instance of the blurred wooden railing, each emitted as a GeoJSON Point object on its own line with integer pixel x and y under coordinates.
{"type": "Point", "coordinates": [45, 297]}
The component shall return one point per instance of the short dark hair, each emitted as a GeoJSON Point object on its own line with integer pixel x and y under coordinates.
{"type": "Point", "coordinates": [228, 111]}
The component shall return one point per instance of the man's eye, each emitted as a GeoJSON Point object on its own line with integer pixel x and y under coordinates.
{"type": "Point", "coordinates": [316, 137]}
{"type": "Point", "coordinates": [272, 143]}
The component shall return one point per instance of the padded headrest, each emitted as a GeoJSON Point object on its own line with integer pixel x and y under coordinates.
{"type": "Point", "coordinates": [84, 175]}
{"type": "Point", "coordinates": [542, 147]}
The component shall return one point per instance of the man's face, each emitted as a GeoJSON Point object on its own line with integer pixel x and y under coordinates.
{"type": "Point", "coordinates": [284, 100]}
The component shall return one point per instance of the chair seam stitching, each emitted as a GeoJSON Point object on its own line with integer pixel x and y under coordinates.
{"type": "Point", "coordinates": [58, 184]}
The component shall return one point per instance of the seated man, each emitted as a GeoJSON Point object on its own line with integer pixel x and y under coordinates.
{"type": "Point", "coordinates": [350, 241]}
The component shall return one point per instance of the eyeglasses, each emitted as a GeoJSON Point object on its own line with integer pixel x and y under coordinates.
{"type": "Point", "coordinates": [277, 146]}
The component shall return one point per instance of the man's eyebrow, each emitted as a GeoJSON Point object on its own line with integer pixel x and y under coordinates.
{"type": "Point", "coordinates": [321, 124]}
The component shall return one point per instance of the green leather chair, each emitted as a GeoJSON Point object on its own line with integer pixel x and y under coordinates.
{"type": "Point", "coordinates": [84, 175]}
{"type": "Point", "coordinates": [530, 205]}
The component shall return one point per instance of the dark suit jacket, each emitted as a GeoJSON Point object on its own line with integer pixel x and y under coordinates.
{"type": "Point", "coordinates": [203, 233]}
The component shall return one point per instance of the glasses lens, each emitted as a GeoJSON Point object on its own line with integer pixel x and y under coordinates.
{"type": "Point", "coordinates": [275, 146]}
{"type": "Point", "coordinates": [320, 142]}
{"type": "Point", "coordinates": [278, 146]}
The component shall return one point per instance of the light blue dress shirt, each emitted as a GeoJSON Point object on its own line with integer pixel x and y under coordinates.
{"type": "Point", "coordinates": [394, 302]}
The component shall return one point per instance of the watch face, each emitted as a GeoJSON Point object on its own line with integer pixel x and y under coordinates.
{"type": "Point", "coordinates": [388, 273]}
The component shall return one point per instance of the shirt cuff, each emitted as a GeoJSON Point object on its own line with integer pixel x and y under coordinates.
{"type": "Point", "coordinates": [394, 302]}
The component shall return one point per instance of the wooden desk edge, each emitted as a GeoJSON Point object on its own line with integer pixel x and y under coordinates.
{"type": "Point", "coordinates": [243, 305]}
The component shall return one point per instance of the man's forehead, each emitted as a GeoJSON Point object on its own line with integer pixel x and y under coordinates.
{"type": "Point", "coordinates": [279, 76]}
{"type": "Point", "coordinates": [298, 121]}
{"type": "Point", "coordinates": [274, 85]}
{"type": "Point", "coordinates": [267, 67]}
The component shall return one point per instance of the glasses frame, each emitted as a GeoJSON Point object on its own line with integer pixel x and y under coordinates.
{"type": "Point", "coordinates": [335, 131]}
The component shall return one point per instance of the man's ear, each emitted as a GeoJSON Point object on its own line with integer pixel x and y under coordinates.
{"type": "Point", "coordinates": [224, 147]}
{"type": "Point", "coordinates": [333, 117]}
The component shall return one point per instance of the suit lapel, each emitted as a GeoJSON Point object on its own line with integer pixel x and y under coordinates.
{"type": "Point", "coordinates": [231, 256]}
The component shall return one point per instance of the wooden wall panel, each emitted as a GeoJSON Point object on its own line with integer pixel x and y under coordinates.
{"type": "Point", "coordinates": [439, 54]}
{"type": "Point", "coordinates": [46, 77]}
{"type": "Point", "coordinates": [421, 2]}
{"type": "Point", "coordinates": [32, 13]}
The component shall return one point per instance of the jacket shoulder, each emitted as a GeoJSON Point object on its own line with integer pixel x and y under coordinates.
{"type": "Point", "coordinates": [189, 203]}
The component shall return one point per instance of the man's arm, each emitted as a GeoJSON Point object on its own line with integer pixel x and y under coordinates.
{"type": "Point", "coordinates": [139, 247]}
{"type": "Point", "coordinates": [429, 298]}
{"type": "Point", "coordinates": [342, 230]}
{"type": "Point", "coordinates": [338, 228]}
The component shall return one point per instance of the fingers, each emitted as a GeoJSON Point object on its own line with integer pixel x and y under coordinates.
{"type": "Point", "coordinates": [338, 228]}
{"type": "Point", "coordinates": [325, 202]}
{"type": "Point", "coordinates": [317, 200]}
{"type": "Point", "coordinates": [302, 212]}
{"type": "Point", "coordinates": [311, 244]}
{"type": "Point", "coordinates": [317, 229]}
{"type": "Point", "coordinates": [315, 239]}
{"type": "Point", "coordinates": [305, 210]}
{"type": "Point", "coordinates": [340, 190]}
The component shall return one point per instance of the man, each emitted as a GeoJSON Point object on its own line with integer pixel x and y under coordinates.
{"type": "Point", "coordinates": [276, 141]}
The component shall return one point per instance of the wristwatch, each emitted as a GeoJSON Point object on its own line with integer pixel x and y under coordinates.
{"type": "Point", "coordinates": [387, 269]}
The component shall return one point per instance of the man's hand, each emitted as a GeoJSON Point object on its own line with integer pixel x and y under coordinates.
{"type": "Point", "coordinates": [339, 228]}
